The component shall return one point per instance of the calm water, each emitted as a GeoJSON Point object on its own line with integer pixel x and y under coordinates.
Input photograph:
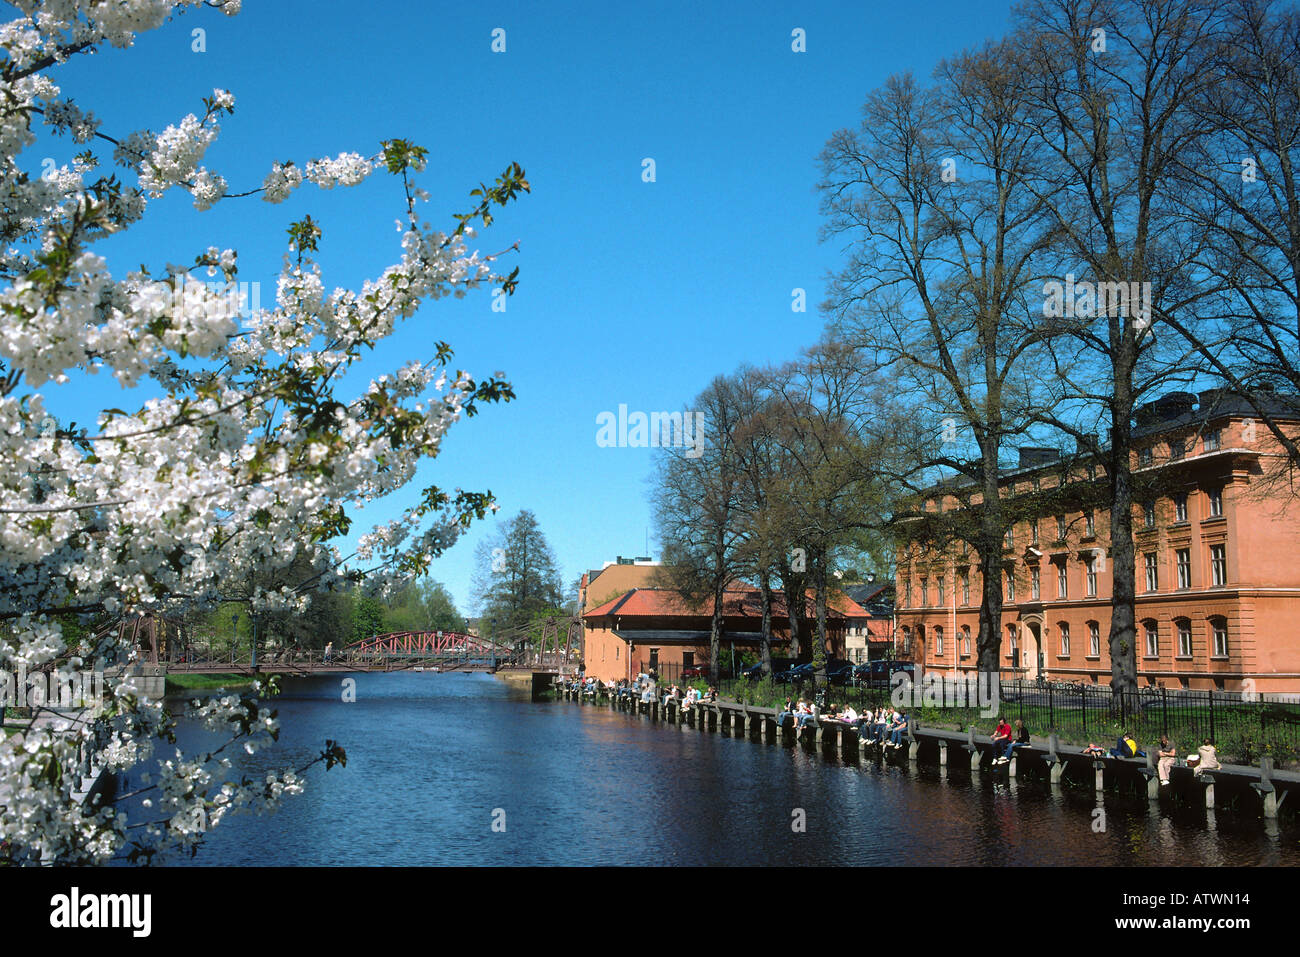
{"type": "Point", "coordinates": [431, 756]}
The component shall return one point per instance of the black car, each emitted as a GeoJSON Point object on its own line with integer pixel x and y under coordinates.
{"type": "Point", "coordinates": [753, 672]}
{"type": "Point", "coordinates": [840, 676]}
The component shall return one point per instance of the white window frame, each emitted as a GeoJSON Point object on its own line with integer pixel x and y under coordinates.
{"type": "Point", "coordinates": [1219, 565]}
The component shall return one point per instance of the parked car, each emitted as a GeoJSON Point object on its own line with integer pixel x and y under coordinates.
{"type": "Point", "coordinates": [695, 671]}
{"type": "Point", "coordinates": [840, 676]}
{"type": "Point", "coordinates": [800, 673]}
{"type": "Point", "coordinates": [881, 672]}
{"type": "Point", "coordinates": [753, 672]}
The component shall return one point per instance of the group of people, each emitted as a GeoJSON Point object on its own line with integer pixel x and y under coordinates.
{"type": "Point", "coordinates": [1205, 759]}
{"type": "Point", "coordinates": [885, 727]}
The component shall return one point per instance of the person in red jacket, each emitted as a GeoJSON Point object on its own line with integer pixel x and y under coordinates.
{"type": "Point", "coordinates": [1001, 737]}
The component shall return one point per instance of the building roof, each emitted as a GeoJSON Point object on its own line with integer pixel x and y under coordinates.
{"type": "Point", "coordinates": [689, 636]}
{"type": "Point", "coordinates": [736, 603]}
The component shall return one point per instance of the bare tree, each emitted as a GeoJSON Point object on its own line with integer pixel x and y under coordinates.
{"type": "Point", "coordinates": [942, 242]}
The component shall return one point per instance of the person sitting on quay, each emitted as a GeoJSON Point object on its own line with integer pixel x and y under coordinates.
{"type": "Point", "coordinates": [863, 724]}
{"type": "Point", "coordinates": [712, 694]}
{"type": "Point", "coordinates": [805, 714]}
{"type": "Point", "coordinates": [1207, 758]}
{"type": "Point", "coordinates": [897, 729]}
{"type": "Point", "coordinates": [1001, 738]}
{"type": "Point", "coordinates": [1125, 747]}
{"type": "Point", "coordinates": [848, 715]}
{"type": "Point", "coordinates": [787, 712]}
{"type": "Point", "coordinates": [883, 719]}
{"type": "Point", "coordinates": [1021, 739]}
{"type": "Point", "coordinates": [1168, 754]}
{"type": "Point", "coordinates": [1094, 750]}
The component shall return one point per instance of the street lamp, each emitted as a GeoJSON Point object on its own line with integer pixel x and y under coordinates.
{"type": "Point", "coordinates": [234, 635]}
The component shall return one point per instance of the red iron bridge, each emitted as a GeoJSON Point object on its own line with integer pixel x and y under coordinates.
{"type": "Point", "coordinates": [396, 651]}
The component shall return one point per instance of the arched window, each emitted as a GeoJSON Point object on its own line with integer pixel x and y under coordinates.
{"type": "Point", "coordinates": [1064, 628]}
{"type": "Point", "coordinates": [938, 642]}
{"type": "Point", "coordinates": [1152, 630]}
{"type": "Point", "coordinates": [1219, 636]}
{"type": "Point", "coordinates": [1094, 639]}
{"type": "Point", "coordinates": [965, 640]}
{"type": "Point", "coordinates": [1183, 627]}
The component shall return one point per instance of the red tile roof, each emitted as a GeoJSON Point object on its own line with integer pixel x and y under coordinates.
{"type": "Point", "coordinates": [736, 603]}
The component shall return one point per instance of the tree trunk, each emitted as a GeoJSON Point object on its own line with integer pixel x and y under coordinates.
{"type": "Point", "coordinates": [765, 648]}
{"type": "Point", "coordinates": [715, 633]}
{"type": "Point", "coordinates": [1123, 625]}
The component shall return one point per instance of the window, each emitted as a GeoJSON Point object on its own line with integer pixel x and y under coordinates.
{"type": "Point", "coordinates": [1092, 473]}
{"type": "Point", "coordinates": [925, 592]}
{"type": "Point", "coordinates": [1153, 578]}
{"type": "Point", "coordinates": [1153, 639]}
{"type": "Point", "coordinates": [688, 659]}
{"type": "Point", "coordinates": [1091, 565]}
{"type": "Point", "coordinates": [1212, 441]}
{"type": "Point", "coordinates": [1094, 639]}
{"type": "Point", "coordinates": [1216, 502]}
{"type": "Point", "coordinates": [905, 589]}
{"type": "Point", "coordinates": [1180, 508]}
{"type": "Point", "coordinates": [1145, 456]}
{"type": "Point", "coordinates": [907, 640]}
{"type": "Point", "coordinates": [965, 587]}
{"type": "Point", "coordinates": [1090, 521]}
{"type": "Point", "coordinates": [1011, 585]}
{"type": "Point", "coordinates": [965, 640]}
{"type": "Point", "coordinates": [1177, 448]}
{"type": "Point", "coordinates": [1184, 637]}
{"type": "Point", "coordinates": [1060, 528]}
{"type": "Point", "coordinates": [1034, 584]}
{"type": "Point", "coordinates": [1062, 579]}
{"type": "Point", "coordinates": [938, 642]}
{"type": "Point", "coordinates": [1219, 628]}
{"type": "Point", "coordinates": [1064, 628]}
{"type": "Point", "coordinates": [1033, 532]}
{"type": "Point", "coordinates": [1011, 538]}
{"type": "Point", "coordinates": [1184, 567]}
{"type": "Point", "coordinates": [1219, 565]}
{"type": "Point", "coordinates": [940, 582]}
{"type": "Point", "coordinates": [1011, 641]}
{"type": "Point", "coordinates": [1149, 514]}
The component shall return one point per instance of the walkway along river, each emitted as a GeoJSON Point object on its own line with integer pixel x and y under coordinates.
{"type": "Point", "coordinates": [435, 760]}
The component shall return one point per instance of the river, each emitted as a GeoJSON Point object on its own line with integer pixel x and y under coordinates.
{"type": "Point", "coordinates": [435, 760]}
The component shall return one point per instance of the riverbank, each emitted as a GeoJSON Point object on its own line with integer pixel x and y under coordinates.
{"type": "Point", "coordinates": [181, 683]}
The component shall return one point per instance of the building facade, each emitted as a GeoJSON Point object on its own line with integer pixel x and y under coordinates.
{"type": "Point", "coordinates": [652, 629]}
{"type": "Point", "coordinates": [1217, 542]}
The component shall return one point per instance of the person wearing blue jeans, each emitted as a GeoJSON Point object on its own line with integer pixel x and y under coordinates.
{"type": "Point", "coordinates": [1021, 739]}
{"type": "Point", "coordinates": [896, 731]}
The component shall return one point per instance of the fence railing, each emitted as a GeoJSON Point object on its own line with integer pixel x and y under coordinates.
{"type": "Point", "coordinates": [1245, 726]}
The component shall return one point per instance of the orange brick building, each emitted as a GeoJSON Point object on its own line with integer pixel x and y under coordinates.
{"type": "Point", "coordinates": [1217, 557]}
{"type": "Point", "coordinates": [647, 629]}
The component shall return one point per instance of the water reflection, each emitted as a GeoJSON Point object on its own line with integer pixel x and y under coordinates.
{"type": "Point", "coordinates": [431, 757]}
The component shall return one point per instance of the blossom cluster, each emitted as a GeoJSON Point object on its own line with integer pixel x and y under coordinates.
{"type": "Point", "coordinates": [246, 459]}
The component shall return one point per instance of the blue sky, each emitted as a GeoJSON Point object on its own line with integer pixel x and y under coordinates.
{"type": "Point", "coordinates": [630, 292]}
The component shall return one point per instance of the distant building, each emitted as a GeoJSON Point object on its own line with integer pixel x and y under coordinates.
{"type": "Point", "coordinates": [1218, 580]}
{"type": "Point", "coordinates": [870, 635]}
{"type": "Point", "coordinates": [652, 629]}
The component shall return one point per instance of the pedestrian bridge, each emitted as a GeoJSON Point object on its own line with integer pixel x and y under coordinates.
{"type": "Point", "coordinates": [394, 651]}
